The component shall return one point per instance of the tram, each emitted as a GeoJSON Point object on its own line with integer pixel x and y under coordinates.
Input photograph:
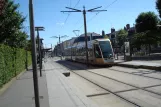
{"type": "Point", "coordinates": [100, 51]}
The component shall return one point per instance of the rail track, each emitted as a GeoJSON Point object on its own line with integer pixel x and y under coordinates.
{"type": "Point", "coordinates": [141, 88]}
{"type": "Point", "coordinates": [135, 74]}
{"type": "Point", "coordinates": [110, 91]}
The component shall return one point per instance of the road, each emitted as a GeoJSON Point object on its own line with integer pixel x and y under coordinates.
{"type": "Point", "coordinates": [117, 86]}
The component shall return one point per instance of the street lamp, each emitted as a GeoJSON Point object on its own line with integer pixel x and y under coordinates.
{"type": "Point", "coordinates": [59, 42]}
{"type": "Point", "coordinates": [34, 63]}
{"type": "Point", "coordinates": [39, 47]}
{"type": "Point", "coordinates": [59, 37]}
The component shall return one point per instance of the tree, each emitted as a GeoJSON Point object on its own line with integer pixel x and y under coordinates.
{"type": "Point", "coordinates": [158, 7]}
{"type": "Point", "coordinates": [121, 36]}
{"type": "Point", "coordinates": [146, 21]}
{"type": "Point", "coordinates": [147, 31]}
{"type": "Point", "coordinates": [11, 24]}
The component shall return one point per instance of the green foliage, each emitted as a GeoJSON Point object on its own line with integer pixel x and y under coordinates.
{"type": "Point", "coordinates": [146, 38]}
{"type": "Point", "coordinates": [11, 24]}
{"type": "Point", "coordinates": [12, 62]}
{"type": "Point", "coordinates": [146, 21]}
{"type": "Point", "coordinates": [147, 30]}
{"type": "Point", "coordinates": [121, 36]}
{"type": "Point", "coordinates": [29, 45]}
{"type": "Point", "coordinates": [158, 6]}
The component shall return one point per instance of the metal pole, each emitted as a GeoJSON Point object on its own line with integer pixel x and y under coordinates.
{"type": "Point", "coordinates": [60, 48]}
{"type": "Point", "coordinates": [40, 57]}
{"type": "Point", "coordinates": [38, 42]}
{"type": "Point", "coordinates": [85, 29]}
{"type": "Point", "coordinates": [59, 39]}
{"type": "Point", "coordinates": [38, 37]}
{"type": "Point", "coordinates": [39, 52]}
{"type": "Point", "coordinates": [34, 64]}
{"type": "Point", "coordinates": [26, 60]}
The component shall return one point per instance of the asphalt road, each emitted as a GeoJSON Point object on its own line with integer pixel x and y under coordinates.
{"type": "Point", "coordinates": [139, 86]}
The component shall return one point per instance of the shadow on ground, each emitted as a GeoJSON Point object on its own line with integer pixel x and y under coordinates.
{"type": "Point", "coordinates": [78, 66]}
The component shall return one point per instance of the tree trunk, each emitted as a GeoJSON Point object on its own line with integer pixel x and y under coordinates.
{"type": "Point", "coordinates": [149, 49]}
{"type": "Point", "coordinates": [146, 50]}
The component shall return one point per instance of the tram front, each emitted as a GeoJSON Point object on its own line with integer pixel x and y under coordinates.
{"type": "Point", "coordinates": [104, 52]}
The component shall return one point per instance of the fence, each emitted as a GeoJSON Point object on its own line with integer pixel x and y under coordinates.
{"type": "Point", "coordinates": [12, 62]}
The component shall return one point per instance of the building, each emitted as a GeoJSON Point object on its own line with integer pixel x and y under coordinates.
{"type": "Point", "coordinates": [113, 37]}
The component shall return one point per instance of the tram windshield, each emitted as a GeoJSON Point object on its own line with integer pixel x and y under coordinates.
{"type": "Point", "coordinates": [106, 49]}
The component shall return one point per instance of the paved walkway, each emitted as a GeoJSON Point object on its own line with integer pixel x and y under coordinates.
{"type": "Point", "coordinates": [147, 64]}
{"type": "Point", "coordinates": [21, 92]}
{"type": "Point", "coordinates": [61, 92]}
{"type": "Point", "coordinates": [55, 90]}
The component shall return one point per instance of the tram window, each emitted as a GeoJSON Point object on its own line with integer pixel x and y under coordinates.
{"type": "Point", "coordinates": [97, 51]}
{"type": "Point", "coordinates": [106, 49]}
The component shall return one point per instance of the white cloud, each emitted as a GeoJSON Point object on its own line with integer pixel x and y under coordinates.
{"type": "Point", "coordinates": [60, 23]}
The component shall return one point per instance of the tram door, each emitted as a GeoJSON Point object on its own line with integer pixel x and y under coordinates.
{"type": "Point", "coordinates": [97, 51]}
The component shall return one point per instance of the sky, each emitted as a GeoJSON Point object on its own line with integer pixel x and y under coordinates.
{"type": "Point", "coordinates": [47, 14]}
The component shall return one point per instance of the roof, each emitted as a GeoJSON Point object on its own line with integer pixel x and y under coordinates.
{"type": "Point", "coordinates": [89, 34]}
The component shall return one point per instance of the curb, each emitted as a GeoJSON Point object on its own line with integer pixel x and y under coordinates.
{"type": "Point", "coordinates": [8, 84]}
{"type": "Point", "coordinates": [140, 66]}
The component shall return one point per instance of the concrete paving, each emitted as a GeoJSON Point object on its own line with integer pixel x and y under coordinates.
{"type": "Point", "coordinates": [128, 78]}
{"type": "Point", "coordinates": [61, 92]}
{"type": "Point", "coordinates": [141, 64]}
{"type": "Point", "coordinates": [21, 92]}
{"type": "Point", "coordinates": [104, 82]}
{"type": "Point", "coordinates": [155, 75]}
{"type": "Point", "coordinates": [98, 95]}
{"type": "Point", "coordinates": [85, 86]}
{"type": "Point", "coordinates": [110, 101]}
{"type": "Point", "coordinates": [141, 72]}
{"type": "Point", "coordinates": [55, 90]}
{"type": "Point", "coordinates": [149, 62]}
{"type": "Point", "coordinates": [155, 89]}
{"type": "Point", "coordinates": [142, 98]}
{"type": "Point", "coordinates": [138, 63]}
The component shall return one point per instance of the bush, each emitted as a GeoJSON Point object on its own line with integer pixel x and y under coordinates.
{"type": "Point", "coordinates": [12, 62]}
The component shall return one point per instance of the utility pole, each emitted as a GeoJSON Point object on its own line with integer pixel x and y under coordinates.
{"type": "Point", "coordinates": [34, 63]}
{"type": "Point", "coordinates": [26, 62]}
{"type": "Point", "coordinates": [85, 28]}
{"type": "Point", "coordinates": [39, 47]}
{"type": "Point", "coordinates": [86, 37]}
{"type": "Point", "coordinates": [41, 39]}
{"type": "Point", "coordinates": [59, 42]}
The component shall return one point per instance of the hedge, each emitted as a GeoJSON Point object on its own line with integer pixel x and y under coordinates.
{"type": "Point", "coordinates": [12, 62]}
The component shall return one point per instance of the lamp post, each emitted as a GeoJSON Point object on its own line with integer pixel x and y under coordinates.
{"type": "Point", "coordinates": [34, 63]}
{"type": "Point", "coordinates": [59, 42]}
{"type": "Point", "coordinates": [39, 47]}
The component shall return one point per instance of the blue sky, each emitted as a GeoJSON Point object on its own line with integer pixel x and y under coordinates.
{"type": "Point", "coordinates": [47, 13]}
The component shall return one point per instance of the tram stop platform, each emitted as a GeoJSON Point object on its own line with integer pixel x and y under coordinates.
{"type": "Point", "coordinates": [55, 90]}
